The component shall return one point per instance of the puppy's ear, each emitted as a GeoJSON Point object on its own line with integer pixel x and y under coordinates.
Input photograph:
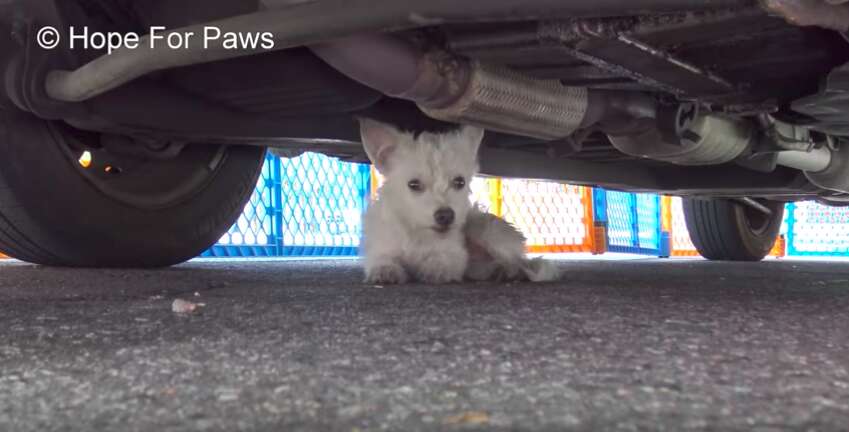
{"type": "Point", "coordinates": [379, 140]}
{"type": "Point", "coordinates": [472, 136]}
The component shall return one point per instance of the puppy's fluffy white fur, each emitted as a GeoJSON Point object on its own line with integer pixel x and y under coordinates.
{"type": "Point", "coordinates": [402, 240]}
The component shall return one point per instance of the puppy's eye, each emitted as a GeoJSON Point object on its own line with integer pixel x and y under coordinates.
{"type": "Point", "coordinates": [415, 185]}
{"type": "Point", "coordinates": [459, 183]}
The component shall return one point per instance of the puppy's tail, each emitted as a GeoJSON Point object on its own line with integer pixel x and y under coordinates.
{"type": "Point", "coordinates": [540, 270]}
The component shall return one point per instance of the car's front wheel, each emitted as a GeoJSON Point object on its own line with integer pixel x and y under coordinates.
{"type": "Point", "coordinates": [728, 230]}
{"type": "Point", "coordinates": [68, 199]}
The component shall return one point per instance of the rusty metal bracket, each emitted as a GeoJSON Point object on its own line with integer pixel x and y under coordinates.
{"type": "Point", "coordinates": [613, 44]}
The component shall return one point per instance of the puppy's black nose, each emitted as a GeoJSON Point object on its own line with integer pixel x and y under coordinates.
{"type": "Point", "coordinates": [444, 216]}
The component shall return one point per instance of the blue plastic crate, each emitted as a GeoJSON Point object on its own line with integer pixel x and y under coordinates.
{"type": "Point", "coordinates": [255, 234]}
{"type": "Point", "coordinates": [814, 229]}
{"type": "Point", "coordinates": [311, 205]}
{"type": "Point", "coordinates": [634, 223]}
{"type": "Point", "coordinates": [324, 200]}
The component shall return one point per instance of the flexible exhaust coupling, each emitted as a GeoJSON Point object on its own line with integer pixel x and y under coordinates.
{"type": "Point", "coordinates": [502, 100]}
{"type": "Point", "coordinates": [455, 89]}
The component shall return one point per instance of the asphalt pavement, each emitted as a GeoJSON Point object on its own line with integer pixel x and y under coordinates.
{"type": "Point", "coordinates": [642, 344]}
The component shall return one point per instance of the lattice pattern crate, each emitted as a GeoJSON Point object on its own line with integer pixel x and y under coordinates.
{"type": "Point", "coordinates": [311, 205]}
{"type": "Point", "coordinates": [554, 217]}
{"type": "Point", "coordinates": [323, 205]}
{"type": "Point", "coordinates": [648, 221]}
{"type": "Point", "coordinates": [815, 229]}
{"type": "Point", "coordinates": [255, 233]}
{"type": "Point", "coordinates": [633, 223]}
{"type": "Point", "coordinates": [682, 245]}
{"type": "Point", "coordinates": [621, 220]}
{"type": "Point", "coordinates": [779, 249]}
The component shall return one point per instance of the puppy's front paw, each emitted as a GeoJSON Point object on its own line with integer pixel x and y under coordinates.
{"type": "Point", "coordinates": [386, 274]}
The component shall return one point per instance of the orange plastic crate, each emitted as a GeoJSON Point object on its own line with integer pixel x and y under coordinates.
{"type": "Point", "coordinates": [555, 218]}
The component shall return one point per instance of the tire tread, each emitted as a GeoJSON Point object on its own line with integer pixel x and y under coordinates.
{"type": "Point", "coordinates": [719, 233]}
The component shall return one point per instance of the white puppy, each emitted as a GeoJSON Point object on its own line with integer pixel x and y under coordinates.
{"type": "Point", "coordinates": [423, 226]}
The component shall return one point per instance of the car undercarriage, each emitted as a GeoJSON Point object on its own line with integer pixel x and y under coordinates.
{"type": "Point", "coordinates": [736, 99]}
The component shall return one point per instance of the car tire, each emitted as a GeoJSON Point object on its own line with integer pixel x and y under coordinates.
{"type": "Point", "coordinates": [726, 230]}
{"type": "Point", "coordinates": [55, 212]}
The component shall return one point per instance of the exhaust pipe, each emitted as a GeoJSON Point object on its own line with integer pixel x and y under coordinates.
{"type": "Point", "coordinates": [814, 161]}
{"type": "Point", "coordinates": [502, 100]}
{"type": "Point", "coordinates": [458, 90]}
{"type": "Point", "coordinates": [454, 89]}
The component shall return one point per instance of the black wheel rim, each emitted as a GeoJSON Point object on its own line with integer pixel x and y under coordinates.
{"type": "Point", "coordinates": [757, 221]}
{"type": "Point", "coordinates": [141, 182]}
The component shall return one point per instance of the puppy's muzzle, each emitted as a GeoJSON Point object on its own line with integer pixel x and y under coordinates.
{"type": "Point", "coordinates": [443, 217]}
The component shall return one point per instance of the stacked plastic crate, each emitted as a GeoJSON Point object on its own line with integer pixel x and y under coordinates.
{"type": "Point", "coordinates": [555, 218]}
{"type": "Point", "coordinates": [682, 245]}
{"type": "Point", "coordinates": [629, 223]}
{"type": "Point", "coordinates": [306, 206]}
{"type": "Point", "coordinates": [817, 230]}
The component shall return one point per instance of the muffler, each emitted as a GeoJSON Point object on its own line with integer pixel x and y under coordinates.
{"type": "Point", "coordinates": [703, 140]}
{"type": "Point", "coordinates": [714, 139]}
